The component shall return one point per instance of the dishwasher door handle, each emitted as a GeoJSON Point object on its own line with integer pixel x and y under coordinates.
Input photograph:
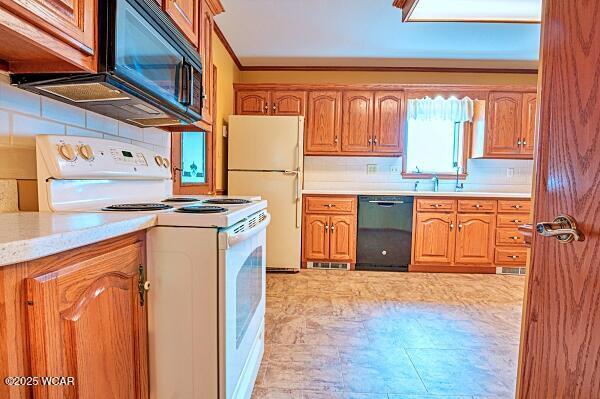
{"type": "Point", "coordinates": [386, 203]}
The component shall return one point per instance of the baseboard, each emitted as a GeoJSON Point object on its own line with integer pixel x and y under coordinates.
{"type": "Point", "coordinates": [452, 269]}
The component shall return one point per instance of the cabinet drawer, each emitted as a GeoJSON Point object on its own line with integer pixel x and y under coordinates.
{"type": "Point", "coordinates": [477, 206]}
{"type": "Point", "coordinates": [512, 220]}
{"type": "Point", "coordinates": [520, 206]}
{"type": "Point", "coordinates": [435, 205]}
{"type": "Point", "coordinates": [509, 237]}
{"type": "Point", "coordinates": [511, 256]}
{"type": "Point", "coordinates": [337, 205]}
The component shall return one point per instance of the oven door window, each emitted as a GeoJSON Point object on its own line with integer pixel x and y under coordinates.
{"type": "Point", "coordinates": [143, 56]}
{"type": "Point", "coordinates": [248, 293]}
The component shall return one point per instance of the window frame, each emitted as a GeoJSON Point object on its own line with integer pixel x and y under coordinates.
{"type": "Point", "coordinates": [193, 188]}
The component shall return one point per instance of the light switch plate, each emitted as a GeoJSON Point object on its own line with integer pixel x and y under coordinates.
{"type": "Point", "coordinates": [395, 170]}
{"type": "Point", "coordinates": [510, 172]}
{"type": "Point", "coordinates": [371, 168]}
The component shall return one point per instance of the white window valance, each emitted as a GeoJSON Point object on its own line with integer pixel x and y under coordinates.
{"type": "Point", "coordinates": [441, 109]}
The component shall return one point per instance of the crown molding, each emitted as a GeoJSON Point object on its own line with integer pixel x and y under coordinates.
{"type": "Point", "coordinates": [216, 7]}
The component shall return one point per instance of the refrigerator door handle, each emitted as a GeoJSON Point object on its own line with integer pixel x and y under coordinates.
{"type": "Point", "coordinates": [298, 195]}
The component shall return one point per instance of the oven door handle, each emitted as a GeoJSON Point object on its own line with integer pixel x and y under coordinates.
{"type": "Point", "coordinates": [237, 238]}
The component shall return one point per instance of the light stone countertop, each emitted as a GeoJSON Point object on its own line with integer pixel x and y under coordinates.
{"type": "Point", "coordinates": [26, 236]}
{"type": "Point", "coordinates": [463, 194]}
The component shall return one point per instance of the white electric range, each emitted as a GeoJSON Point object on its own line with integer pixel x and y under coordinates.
{"type": "Point", "coordinates": [206, 262]}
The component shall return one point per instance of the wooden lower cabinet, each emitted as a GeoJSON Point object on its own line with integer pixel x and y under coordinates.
{"type": "Point", "coordinates": [467, 234]}
{"type": "Point", "coordinates": [329, 231]}
{"type": "Point", "coordinates": [434, 238]}
{"type": "Point", "coordinates": [475, 239]}
{"type": "Point", "coordinates": [79, 314]}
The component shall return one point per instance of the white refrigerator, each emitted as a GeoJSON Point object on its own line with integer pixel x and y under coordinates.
{"type": "Point", "coordinates": [265, 157]}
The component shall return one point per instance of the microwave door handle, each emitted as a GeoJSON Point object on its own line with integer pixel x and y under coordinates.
{"type": "Point", "coordinates": [183, 95]}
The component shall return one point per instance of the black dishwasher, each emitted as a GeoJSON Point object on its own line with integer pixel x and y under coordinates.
{"type": "Point", "coordinates": [384, 233]}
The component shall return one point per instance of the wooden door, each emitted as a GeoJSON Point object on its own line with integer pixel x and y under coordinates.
{"type": "Point", "coordinates": [324, 122]}
{"type": "Point", "coordinates": [434, 238]}
{"type": "Point", "coordinates": [288, 103]}
{"type": "Point", "coordinates": [503, 129]}
{"type": "Point", "coordinates": [475, 239]}
{"type": "Point", "coordinates": [316, 237]}
{"type": "Point", "coordinates": [357, 121]}
{"type": "Point", "coordinates": [185, 14]}
{"type": "Point", "coordinates": [560, 348]}
{"type": "Point", "coordinates": [528, 125]}
{"type": "Point", "coordinates": [206, 53]}
{"type": "Point", "coordinates": [252, 102]}
{"type": "Point", "coordinates": [387, 126]}
{"type": "Point", "coordinates": [86, 319]}
{"type": "Point", "coordinates": [342, 241]}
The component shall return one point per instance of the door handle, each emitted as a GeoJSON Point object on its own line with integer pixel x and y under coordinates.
{"type": "Point", "coordinates": [564, 228]}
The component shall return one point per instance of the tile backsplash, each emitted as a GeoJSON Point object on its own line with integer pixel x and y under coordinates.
{"type": "Point", "coordinates": [350, 173]}
{"type": "Point", "coordinates": [23, 115]}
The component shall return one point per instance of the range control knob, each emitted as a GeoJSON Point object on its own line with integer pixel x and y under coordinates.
{"type": "Point", "coordinates": [66, 152]}
{"type": "Point", "coordinates": [166, 163]}
{"type": "Point", "coordinates": [159, 160]}
{"type": "Point", "coordinates": [86, 152]}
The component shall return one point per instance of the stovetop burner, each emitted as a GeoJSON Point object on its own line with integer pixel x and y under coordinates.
{"type": "Point", "coordinates": [181, 199]}
{"type": "Point", "coordinates": [201, 209]}
{"type": "Point", "coordinates": [137, 207]}
{"type": "Point", "coordinates": [227, 201]}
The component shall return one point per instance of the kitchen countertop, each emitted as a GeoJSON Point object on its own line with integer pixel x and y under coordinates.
{"type": "Point", "coordinates": [469, 194]}
{"type": "Point", "coordinates": [30, 235]}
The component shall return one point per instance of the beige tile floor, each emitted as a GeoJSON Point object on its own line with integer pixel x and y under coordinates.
{"type": "Point", "coordinates": [368, 335]}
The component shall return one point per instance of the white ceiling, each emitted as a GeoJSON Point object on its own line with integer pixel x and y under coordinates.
{"type": "Point", "coordinates": [367, 33]}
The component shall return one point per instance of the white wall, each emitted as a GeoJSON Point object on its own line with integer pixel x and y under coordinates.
{"type": "Point", "coordinates": [339, 173]}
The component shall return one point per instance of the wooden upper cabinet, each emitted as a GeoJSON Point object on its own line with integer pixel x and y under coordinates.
{"type": "Point", "coordinates": [504, 124]}
{"type": "Point", "coordinates": [316, 237]}
{"type": "Point", "coordinates": [529, 123]}
{"type": "Point", "coordinates": [475, 239]}
{"type": "Point", "coordinates": [252, 102]}
{"type": "Point", "coordinates": [357, 130]}
{"type": "Point", "coordinates": [288, 103]}
{"type": "Point", "coordinates": [434, 238]}
{"type": "Point", "coordinates": [185, 14]}
{"type": "Point", "coordinates": [342, 240]}
{"type": "Point", "coordinates": [388, 123]}
{"type": "Point", "coordinates": [324, 122]}
{"type": "Point", "coordinates": [206, 53]}
{"type": "Point", "coordinates": [85, 318]}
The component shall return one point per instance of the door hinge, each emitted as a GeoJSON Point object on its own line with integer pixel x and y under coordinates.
{"type": "Point", "coordinates": [143, 285]}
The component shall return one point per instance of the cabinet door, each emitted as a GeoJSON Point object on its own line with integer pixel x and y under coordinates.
{"type": "Point", "coordinates": [529, 115]}
{"type": "Point", "coordinates": [434, 238]}
{"type": "Point", "coordinates": [185, 14]}
{"type": "Point", "coordinates": [206, 53]}
{"type": "Point", "coordinates": [324, 122]}
{"type": "Point", "coordinates": [86, 319]}
{"type": "Point", "coordinates": [252, 102]}
{"type": "Point", "coordinates": [342, 241]}
{"type": "Point", "coordinates": [475, 239]}
{"type": "Point", "coordinates": [73, 21]}
{"type": "Point", "coordinates": [288, 103]}
{"type": "Point", "coordinates": [504, 124]}
{"type": "Point", "coordinates": [357, 125]}
{"type": "Point", "coordinates": [387, 127]}
{"type": "Point", "coordinates": [316, 237]}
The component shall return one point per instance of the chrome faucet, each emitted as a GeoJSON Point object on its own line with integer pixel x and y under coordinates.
{"type": "Point", "coordinates": [458, 186]}
{"type": "Point", "coordinates": [417, 185]}
{"type": "Point", "coordinates": [436, 184]}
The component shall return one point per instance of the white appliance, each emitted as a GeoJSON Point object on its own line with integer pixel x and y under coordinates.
{"type": "Point", "coordinates": [206, 303]}
{"type": "Point", "coordinates": [266, 158]}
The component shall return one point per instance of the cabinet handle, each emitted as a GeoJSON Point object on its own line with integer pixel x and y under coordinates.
{"type": "Point", "coordinates": [326, 227]}
{"type": "Point", "coordinates": [517, 221]}
{"type": "Point", "coordinates": [266, 106]}
{"type": "Point", "coordinates": [519, 143]}
{"type": "Point", "coordinates": [335, 139]}
{"type": "Point", "coordinates": [375, 140]}
{"type": "Point", "coordinates": [517, 206]}
{"type": "Point", "coordinates": [477, 206]}
{"type": "Point", "coordinates": [332, 229]}
{"type": "Point", "coordinates": [274, 107]}
{"type": "Point", "coordinates": [513, 257]}
{"type": "Point", "coordinates": [451, 226]}
{"type": "Point", "coordinates": [330, 205]}
{"type": "Point", "coordinates": [514, 238]}
{"type": "Point", "coordinates": [370, 141]}
{"type": "Point", "coordinates": [460, 226]}
{"type": "Point", "coordinates": [524, 143]}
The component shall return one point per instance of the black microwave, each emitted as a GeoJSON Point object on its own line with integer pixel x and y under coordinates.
{"type": "Point", "coordinates": [148, 74]}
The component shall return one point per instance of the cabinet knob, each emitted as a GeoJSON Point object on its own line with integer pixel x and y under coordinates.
{"type": "Point", "coordinates": [375, 140]}
{"type": "Point", "coordinates": [517, 206]}
{"type": "Point", "coordinates": [332, 229]}
{"type": "Point", "coordinates": [460, 226]}
{"type": "Point", "coordinates": [274, 107]}
{"type": "Point", "coordinates": [451, 226]}
{"type": "Point", "coordinates": [477, 206]}
{"type": "Point", "coordinates": [266, 106]}
{"type": "Point", "coordinates": [326, 227]}
{"type": "Point", "coordinates": [517, 221]}
{"type": "Point", "coordinates": [513, 257]}
{"type": "Point", "coordinates": [370, 141]}
{"type": "Point", "coordinates": [335, 139]}
{"type": "Point", "coordinates": [514, 238]}
{"type": "Point", "coordinates": [519, 142]}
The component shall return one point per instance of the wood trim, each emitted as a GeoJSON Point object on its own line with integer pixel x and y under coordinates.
{"type": "Point", "coordinates": [227, 46]}
{"type": "Point", "coordinates": [409, 88]}
{"type": "Point", "coordinates": [407, 7]}
{"type": "Point", "coordinates": [317, 68]}
{"type": "Point", "coordinates": [215, 6]}
{"type": "Point", "coordinates": [191, 189]}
